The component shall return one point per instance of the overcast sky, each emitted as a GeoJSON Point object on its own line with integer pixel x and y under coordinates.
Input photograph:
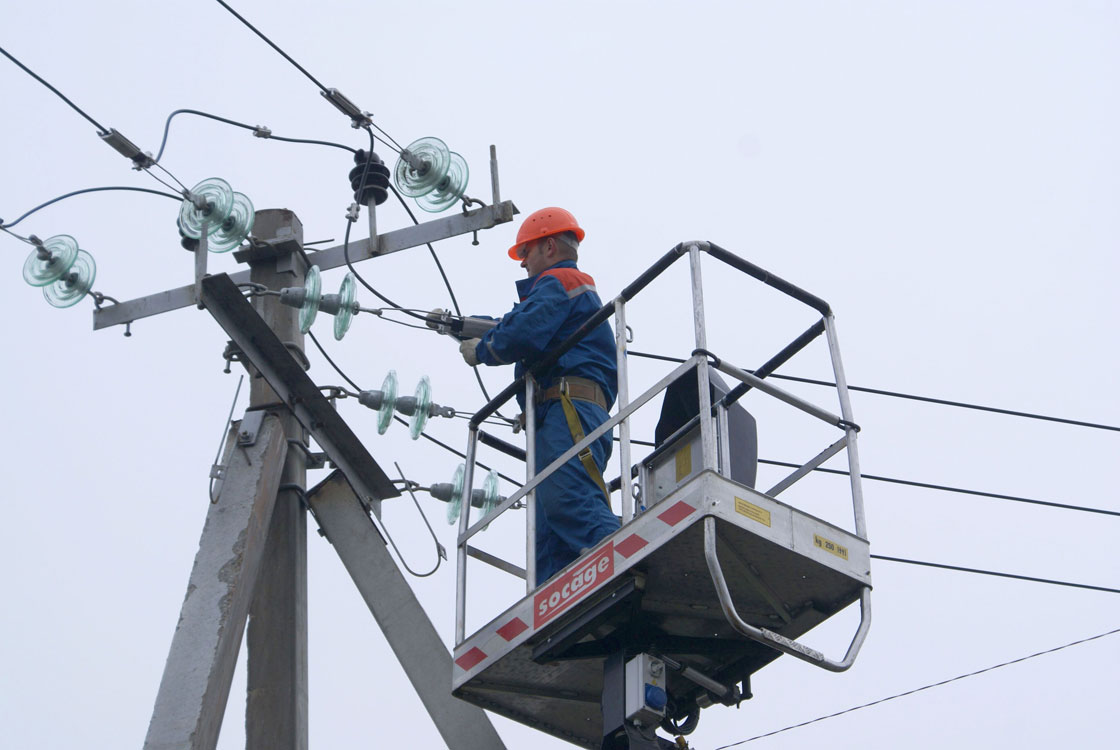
{"type": "Point", "coordinates": [945, 174]}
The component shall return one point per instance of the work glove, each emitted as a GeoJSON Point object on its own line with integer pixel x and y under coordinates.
{"type": "Point", "coordinates": [437, 318]}
{"type": "Point", "coordinates": [467, 349]}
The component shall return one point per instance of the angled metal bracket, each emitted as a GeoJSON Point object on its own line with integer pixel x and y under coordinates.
{"type": "Point", "coordinates": [250, 426]}
{"type": "Point", "coordinates": [275, 363]}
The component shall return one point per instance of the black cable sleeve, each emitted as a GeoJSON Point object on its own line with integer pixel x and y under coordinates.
{"type": "Point", "coordinates": [500, 445]}
{"type": "Point", "coordinates": [769, 279]}
{"type": "Point", "coordinates": [767, 369]}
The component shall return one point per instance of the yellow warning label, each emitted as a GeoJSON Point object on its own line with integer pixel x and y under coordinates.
{"type": "Point", "coordinates": [830, 546]}
{"type": "Point", "coordinates": [752, 511]}
{"type": "Point", "coordinates": [684, 462]}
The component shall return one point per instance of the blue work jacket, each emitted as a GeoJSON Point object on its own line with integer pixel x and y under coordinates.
{"type": "Point", "coordinates": [553, 304]}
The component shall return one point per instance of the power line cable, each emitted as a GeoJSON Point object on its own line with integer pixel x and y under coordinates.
{"type": "Point", "coordinates": [132, 151]}
{"type": "Point", "coordinates": [945, 488]}
{"type": "Point", "coordinates": [102, 129]}
{"type": "Point", "coordinates": [996, 573]}
{"type": "Point", "coordinates": [272, 44]}
{"type": "Point", "coordinates": [924, 485]}
{"type": "Point", "coordinates": [918, 690]}
{"type": "Point", "coordinates": [461, 455]}
{"type": "Point", "coordinates": [432, 250]}
{"type": "Point", "coordinates": [257, 130]}
{"type": "Point", "coordinates": [379, 524]}
{"type": "Point", "coordinates": [330, 94]}
{"type": "Point", "coordinates": [958, 404]}
{"type": "Point", "coordinates": [331, 362]}
{"type": "Point", "coordinates": [913, 397]}
{"type": "Point", "coordinates": [52, 201]}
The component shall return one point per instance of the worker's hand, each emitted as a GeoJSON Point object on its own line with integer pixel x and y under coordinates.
{"type": "Point", "coordinates": [437, 318]}
{"type": "Point", "coordinates": [467, 349]}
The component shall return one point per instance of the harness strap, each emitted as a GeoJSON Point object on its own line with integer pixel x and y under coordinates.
{"type": "Point", "coordinates": [585, 456]}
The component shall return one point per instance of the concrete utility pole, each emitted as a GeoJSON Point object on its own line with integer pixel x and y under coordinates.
{"type": "Point", "coordinates": [276, 708]}
{"type": "Point", "coordinates": [252, 560]}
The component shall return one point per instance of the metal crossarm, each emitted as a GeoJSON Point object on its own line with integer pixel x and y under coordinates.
{"type": "Point", "coordinates": [333, 257]}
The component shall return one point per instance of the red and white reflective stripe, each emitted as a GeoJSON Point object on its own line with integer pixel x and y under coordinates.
{"type": "Point", "coordinates": [677, 513]}
{"type": "Point", "coordinates": [471, 659]}
{"type": "Point", "coordinates": [571, 587]}
{"type": "Point", "coordinates": [512, 629]}
{"type": "Point", "coordinates": [630, 545]}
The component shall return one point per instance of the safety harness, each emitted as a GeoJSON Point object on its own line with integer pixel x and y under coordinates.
{"type": "Point", "coordinates": [579, 389]}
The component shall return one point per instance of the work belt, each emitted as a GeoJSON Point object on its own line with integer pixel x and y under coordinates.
{"type": "Point", "coordinates": [579, 389]}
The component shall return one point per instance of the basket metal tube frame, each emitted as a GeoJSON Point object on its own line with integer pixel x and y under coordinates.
{"type": "Point", "coordinates": [466, 532]}
{"type": "Point", "coordinates": [714, 454]}
{"type": "Point", "coordinates": [769, 637]}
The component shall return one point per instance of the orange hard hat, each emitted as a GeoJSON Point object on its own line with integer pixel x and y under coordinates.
{"type": "Point", "coordinates": [544, 223]}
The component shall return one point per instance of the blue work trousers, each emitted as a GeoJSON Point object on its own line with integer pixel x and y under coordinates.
{"type": "Point", "coordinates": [572, 513]}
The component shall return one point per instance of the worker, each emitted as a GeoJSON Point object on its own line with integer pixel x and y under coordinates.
{"type": "Point", "coordinates": [573, 395]}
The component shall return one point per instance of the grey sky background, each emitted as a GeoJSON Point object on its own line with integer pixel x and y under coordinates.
{"type": "Point", "coordinates": [944, 174]}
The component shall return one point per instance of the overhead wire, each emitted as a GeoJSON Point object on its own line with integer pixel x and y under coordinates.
{"type": "Point", "coordinates": [432, 250]}
{"type": "Point", "coordinates": [274, 46]}
{"type": "Point", "coordinates": [460, 454]}
{"type": "Point", "coordinates": [441, 553]}
{"type": "Point", "coordinates": [331, 362]}
{"type": "Point", "coordinates": [101, 128]}
{"type": "Point", "coordinates": [946, 488]}
{"type": "Point", "coordinates": [255, 129]}
{"type": "Point", "coordinates": [918, 690]}
{"type": "Point", "coordinates": [958, 404]}
{"type": "Point", "coordinates": [924, 485]}
{"type": "Point", "coordinates": [52, 201]}
{"type": "Point", "coordinates": [346, 237]}
{"type": "Point", "coordinates": [391, 143]}
{"type": "Point", "coordinates": [910, 396]}
{"type": "Point", "coordinates": [996, 573]}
